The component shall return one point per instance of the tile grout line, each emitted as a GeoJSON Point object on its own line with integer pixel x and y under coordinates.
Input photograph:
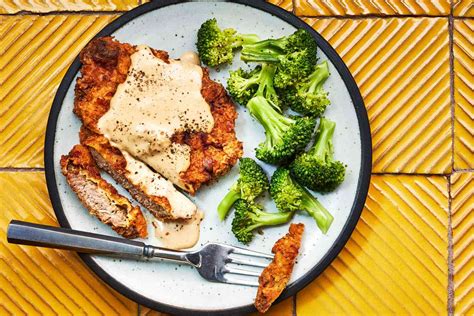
{"type": "Point", "coordinates": [372, 16]}
{"type": "Point", "coordinates": [13, 169]}
{"type": "Point", "coordinates": [64, 12]}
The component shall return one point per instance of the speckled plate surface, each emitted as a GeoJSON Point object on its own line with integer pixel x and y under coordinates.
{"type": "Point", "coordinates": [171, 288]}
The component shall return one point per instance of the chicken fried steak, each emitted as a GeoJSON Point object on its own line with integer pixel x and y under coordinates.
{"type": "Point", "coordinates": [99, 197]}
{"type": "Point", "coordinates": [108, 63]}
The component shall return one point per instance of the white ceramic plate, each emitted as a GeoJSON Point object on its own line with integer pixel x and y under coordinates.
{"type": "Point", "coordinates": [179, 289]}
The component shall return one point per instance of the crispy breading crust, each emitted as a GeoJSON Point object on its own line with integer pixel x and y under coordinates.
{"type": "Point", "coordinates": [113, 162]}
{"type": "Point", "coordinates": [105, 66]}
{"type": "Point", "coordinates": [99, 197]}
{"type": "Point", "coordinates": [276, 275]}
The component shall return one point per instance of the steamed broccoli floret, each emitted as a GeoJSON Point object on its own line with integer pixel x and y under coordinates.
{"type": "Point", "coordinates": [249, 216]}
{"type": "Point", "coordinates": [290, 196]}
{"type": "Point", "coordinates": [215, 46]}
{"type": "Point", "coordinates": [295, 55]}
{"type": "Point", "coordinates": [308, 97]}
{"type": "Point", "coordinates": [252, 182]}
{"type": "Point", "coordinates": [242, 85]}
{"type": "Point", "coordinates": [317, 168]}
{"type": "Point", "coordinates": [285, 136]}
{"type": "Point", "coordinates": [294, 67]}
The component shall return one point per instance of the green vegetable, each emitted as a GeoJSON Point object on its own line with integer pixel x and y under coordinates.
{"type": "Point", "coordinates": [308, 97]}
{"type": "Point", "coordinates": [317, 168]}
{"type": "Point", "coordinates": [285, 136]}
{"type": "Point", "coordinates": [215, 46]}
{"type": "Point", "coordinates": [295, 56]}
{"type": "Point", "coordinates": [242, 85]}
{"type": "Point", "coordinates": [249, 216]}
{"type": "Point", "coordinates": [290, 196]}
{"type": "Point", "coordinates": [252, 183]}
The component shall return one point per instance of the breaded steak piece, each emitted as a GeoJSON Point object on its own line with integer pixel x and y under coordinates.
{"type": "Point", "coordinates": [99, 197]}
{"type": "Point", "coordinates": [275, 277]}
{"type": "Point", "coordinates": [105, 65]}
{"type": "Point", "coordinates": [114, 163]}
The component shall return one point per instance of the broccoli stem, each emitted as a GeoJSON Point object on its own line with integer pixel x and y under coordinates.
{"type": "Point", "coordinates": [323, 147]}
{"type": "Point", "coordinates": [318, 77]}
{"type": "Point", "coordinates": [244, 39]}
{"type": "Point", "coordinates": [229, 199]}
{"type": "Point", "coordinates": [314, 208]}
{"type": "Point", "coordinates": [263, 56]}
{"type": "Point", "coordinates": [269, 50]}
{"type": "Point", "coordinates": [266, 80]}
{"type": "Point", "coordinates": [262, 218]}
{"type": "Point", "coordinates": [273, 122]}
{"type": "Point", "coordinates": [270, 44]}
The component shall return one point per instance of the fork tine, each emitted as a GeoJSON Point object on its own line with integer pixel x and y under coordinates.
{"type": "Point", "coordinates": [242, 271]}
{"type": "Point", "coordinates": [248, 262]}
{"type": "Point", "coordinates": [242, 251]}
{"type": "Point", "coordinates": [240, 281]}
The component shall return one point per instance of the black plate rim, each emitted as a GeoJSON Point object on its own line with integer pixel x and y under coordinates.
{"type": "Point", "coordinates": [362, 186]}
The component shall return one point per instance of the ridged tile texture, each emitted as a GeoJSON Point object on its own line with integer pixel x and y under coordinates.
{"type": "Point", "coordinates": [396, 262]}
{"type": "Point", "coordinates": [41, 281]}
{"type": "Point", "coordinates": [396, 259]}
{"type": "Point", "coordinates": [401, 68]}
{"type": "Point", "coordinates": [463, 94]}
{"type": "Point", "coordinates": [284, 308]}
{"type": "Point", "coordinates": [462, 209]}
{"type": "Point", "coordinates": [371, 7]}
{"type": "Point", "coordinates": [463, 8]}
{"type": "Point", "coordinates": [284, 4]}
{"type": "Point", "coordinates": [14, 6]}
{"type": "Point", "coordinates": [35, 52]}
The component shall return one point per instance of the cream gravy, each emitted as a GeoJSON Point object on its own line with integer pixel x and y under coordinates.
{"type": "Point", "coordinates": [154, 184]}
{"type": "Point", "coordinates": [156, 101]}
{"type": "Point", "coordinates": [179, 235]}
{"type": "Point", "coordinates": [190, 57]}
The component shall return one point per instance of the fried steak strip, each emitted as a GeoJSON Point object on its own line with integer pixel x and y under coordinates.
{"type": "Point", "coordinates": [276, 275]}
{"type": "Point", "coordinates": [99, 197]}
{"type": "Point", "coordinates": [112, 160]}
{"type": "Point", "coordinates": [105, 65]}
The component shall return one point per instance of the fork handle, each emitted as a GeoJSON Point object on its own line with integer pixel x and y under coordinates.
{"type": "Point", "coordinates": [63, 238]}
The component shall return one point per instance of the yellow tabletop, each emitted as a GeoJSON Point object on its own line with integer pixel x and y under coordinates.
{"type": "Point", "coordinates": [412, 250]}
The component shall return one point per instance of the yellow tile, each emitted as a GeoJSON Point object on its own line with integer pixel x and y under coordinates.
{"type": "Point", "coordinates": [284, 4]}
{"type": "Point", "coordinates": [463, 8]}
{"type": "Point", "coordinates": [35, 52]}
{"type": "Point", "coordinates": [401, 67]}
{"type": "Point", "coordinates": [145, 311]}
{"type": "Point", "coordinates": [284, 308]}
{"type": "Point", "coordinates": [396, 259]}
{"type": "Point", "coordinates": [14, 6]}
{"type": "Point", "coordinates": [463, 94]}
{"type": "Point", "coordinates": [45, 281]}
{"type": "Point", "coordinates": [462, 194]}
{"type": "Point", "coordinates": [365, 7]}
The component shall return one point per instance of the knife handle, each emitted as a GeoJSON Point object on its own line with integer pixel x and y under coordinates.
{"type": "Point", "coordinates": [63, 238]}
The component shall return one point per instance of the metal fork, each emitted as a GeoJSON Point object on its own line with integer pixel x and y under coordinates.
{"type": "Point", "coordinates": [215, 262]}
